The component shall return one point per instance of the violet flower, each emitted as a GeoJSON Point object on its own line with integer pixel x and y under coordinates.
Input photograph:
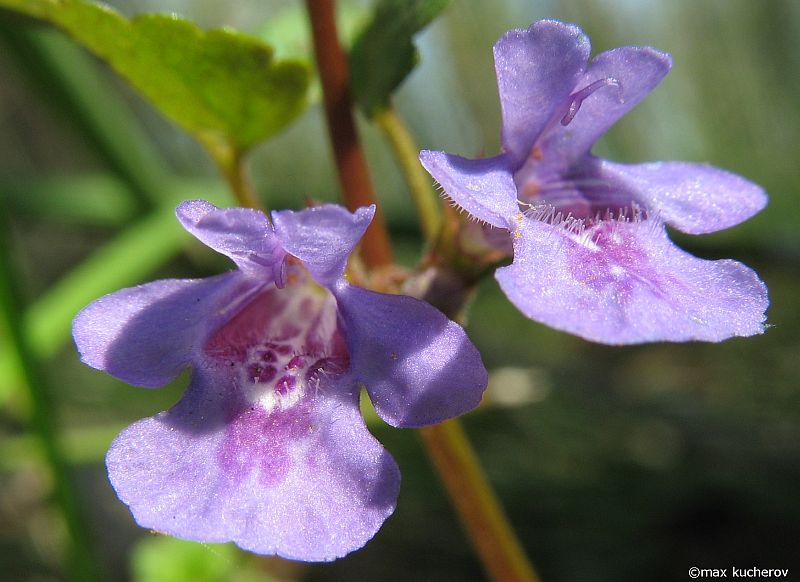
{"type": "Point", "coordinates": [267, 447]}
{"type": "Point", "coordinates": [591, 254]}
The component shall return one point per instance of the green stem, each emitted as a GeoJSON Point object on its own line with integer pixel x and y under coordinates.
{"type": "Point", "coordinates": [80, 564]}
{"type": "Point", "coordinates": [447, 443]}
{"type": "Point", "coordinates": [458, 466]}
{"type": "Point", "coordinates": [481, 514]}
{"type": "Point", "coordinates": [232, 165]}
{"type": "Point", "coordinates": [418, 181]}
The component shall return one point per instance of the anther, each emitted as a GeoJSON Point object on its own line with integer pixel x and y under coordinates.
{"type": "Point", "coordinates": [276, 262]}
{"type": "Point", "coordinates": [578, 97]}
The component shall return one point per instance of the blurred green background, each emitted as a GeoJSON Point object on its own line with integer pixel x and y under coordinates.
{"type": "Point", "coordinates": [615, 464]}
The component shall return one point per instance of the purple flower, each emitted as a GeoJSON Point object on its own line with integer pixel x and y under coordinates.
{"type": "Point", "coordinates": [591, 254]}
{"type": "Point", "coordinates": [267, 447]}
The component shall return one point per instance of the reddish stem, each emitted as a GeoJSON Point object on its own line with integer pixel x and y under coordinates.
{"type": "Point", "coordinates": [350, 162]}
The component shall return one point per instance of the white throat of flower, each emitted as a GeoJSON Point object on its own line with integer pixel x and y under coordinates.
{"type": "Point", "coordinates": [288, 362]}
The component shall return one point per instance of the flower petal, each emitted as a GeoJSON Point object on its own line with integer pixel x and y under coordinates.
{"type": "Point", "coordinates": [418, 366]}
{"type": "Point", "coordinates": [536, 69]}
{"type": "Point", "coordinates": [308, 483]}
{"type": "Point", "coordinates": [694, 198]}
{"type": "Point", "coordinates": [239, 233]}
{"type": "Point", "coordinates": [145, 335]}
{"type": "Point", "coordinates": [322, 237]}
{"type": "Point", "coordinates": [626, 283]}
{"type": "Point", "coordinates": [485, 188]}
{"type": "Point", "coordinates": [636, 70]}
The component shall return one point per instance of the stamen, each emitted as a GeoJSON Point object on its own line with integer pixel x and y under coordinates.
{"type": "Point", "coordinates": [279, 274]}
{"type": "Point", "coordinates": [259, 260]}
{"type": "Point", "coordinates": [589, 199]}
{"type": "Point", "coordinates": [276, 262]}
{"type": "Point", "coordinates": [579, 96]}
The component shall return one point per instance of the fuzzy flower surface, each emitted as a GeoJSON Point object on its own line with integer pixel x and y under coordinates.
{"type": "Point", "coordinates": [267, 447]}
{"type": "Point", "coordinates": [591, 253]}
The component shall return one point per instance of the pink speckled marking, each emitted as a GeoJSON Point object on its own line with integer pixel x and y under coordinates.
{"type": "Point", "coordinates": [281, 350]}
{"type": "Point", "coordinates": [259, 440]}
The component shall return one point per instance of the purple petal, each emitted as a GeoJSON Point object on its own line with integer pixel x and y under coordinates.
{"type": "Point", "coordinates": [418, 366]}
{"type": "Point", "coordinates": [145, 335]}
{"type": "Point", "coordinates": [630, 73]}
{"type": "Point", "coordinates": [485, 188]}
{"type": "Point", "coordinates": [243, 234]}
{"type": "Point", "coordinates": [322, 237]}
{"type": "Point", "coordinates": [694, 198]}
{"type": "Point", "coordinates": [626, 283]}
{"type": "Point", "coordinates": [536, 69]}
{"type": "Point", "coordinates": [306, 483]}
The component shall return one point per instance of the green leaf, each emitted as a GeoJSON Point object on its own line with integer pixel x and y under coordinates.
{"type": "Point", "coordinates": [384, 54]}
{"type": "Point", "coordinates": [78, 91]}
{"type": "Point", "coordinates": [222, 86]}
{"type": "Point", "coordinates": [163, 559]}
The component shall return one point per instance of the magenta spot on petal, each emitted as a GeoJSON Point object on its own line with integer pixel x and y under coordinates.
{"type": "Point", "coordinates": [285, 384]}
{"type": "Point", "coordinates": [261, 374]}
{"type": "Point", "coordinates": [296, 362]}
{"type": "Point", "coordinates": [268, 356]}
{"type": "Point", "coordinates": [259, 440]}
{"type": "Point", "coordinates": [246, 329]}
{"type": "Point", "coordinates": [617, 265]}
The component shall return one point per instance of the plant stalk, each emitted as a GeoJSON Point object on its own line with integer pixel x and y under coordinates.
{"type": "Point", "coordinates": [447, 444]}
{"type": "Point", "coordinates": [234, 169]}
{"type": "Point", "coordinates": [419, 182]}
{"type": "Point", "coordinates": [477, 505]}
{"type": "Point", "coordinates": [351, 164]}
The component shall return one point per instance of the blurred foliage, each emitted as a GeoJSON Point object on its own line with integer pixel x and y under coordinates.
{"type": "Point", "coordinates": [220, 85]}
{"type": "Point", "coordinates": [615, 464]}
{"type": "Point", "coordinates": [164, 559]}
{"type": "Point", "coordinates": [383, 54]}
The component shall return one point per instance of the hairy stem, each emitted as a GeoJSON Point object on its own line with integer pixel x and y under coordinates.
{"type": "Point", "coordinates": [350, 162]}
{"type": "Point", "coordinates": [419, 182]}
